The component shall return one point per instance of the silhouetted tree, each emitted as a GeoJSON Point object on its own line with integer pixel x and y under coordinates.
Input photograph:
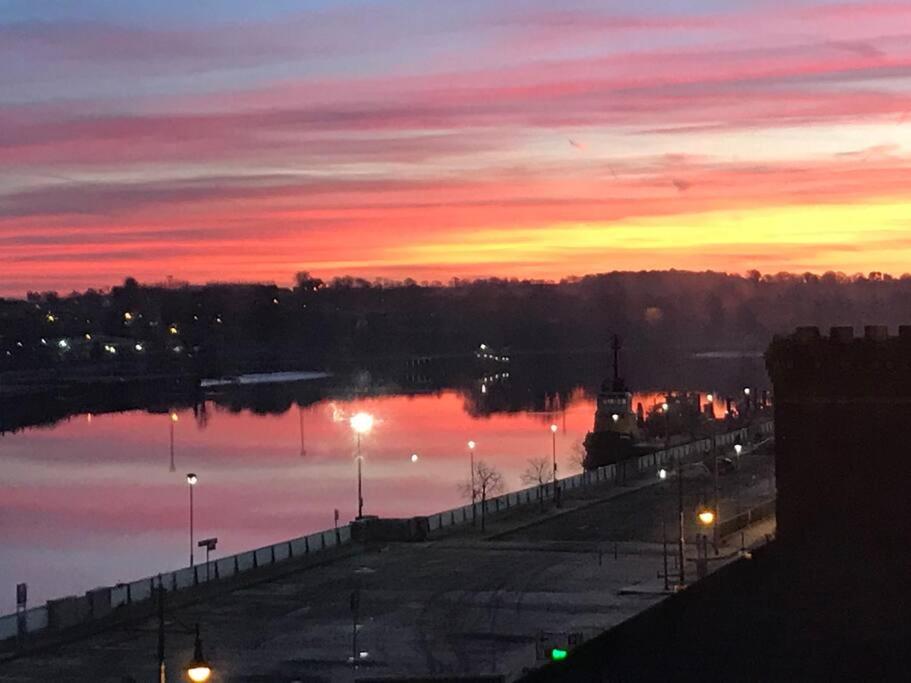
{"type": "Point", "coordinates": [539, 472]}
{"type": "Point", "coordinates": [487, 480]}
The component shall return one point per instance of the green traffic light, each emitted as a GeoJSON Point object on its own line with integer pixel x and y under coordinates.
{"type": "Point", "coordinates": [556, 654]}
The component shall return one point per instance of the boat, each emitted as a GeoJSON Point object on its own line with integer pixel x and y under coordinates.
{"type": "Point", "coordinates": [616, 434]}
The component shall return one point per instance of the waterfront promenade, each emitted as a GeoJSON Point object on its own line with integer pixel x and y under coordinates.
{"type": "Point", "coordinates": [460, 603]}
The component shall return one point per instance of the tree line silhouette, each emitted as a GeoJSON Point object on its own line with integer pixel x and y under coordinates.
{"type": "Point", "coordinates": [227, 327]}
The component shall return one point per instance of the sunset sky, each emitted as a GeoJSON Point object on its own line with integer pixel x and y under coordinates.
{"type": "Point", "coordinates": [240, 140]}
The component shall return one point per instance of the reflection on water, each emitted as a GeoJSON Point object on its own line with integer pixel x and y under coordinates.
{"type": "Point", "coordinates": [102, 498]}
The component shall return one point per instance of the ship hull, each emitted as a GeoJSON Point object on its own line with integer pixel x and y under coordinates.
{"type": "Point", "coordinates": [609, 448]}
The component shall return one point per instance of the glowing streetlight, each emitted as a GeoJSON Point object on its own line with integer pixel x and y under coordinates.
{"type": "Point", "coordinates": [746, 391]}
{"type": "Point", "coordinates": [361, 423]}
{"type": "Point", "coordinates": [709, 397]}
{"type": "Point", "coordinates": [198, 670]}
{"type": "Point", "coordinates": [665, 407]}
{"type": "Point", "coordinates": [662, 474]}
{"type": "Point", "coordinates": [192, 479]}
{"type": "Point", "coordinates": [738, 448]}
{"type": "Point", "coordinates": [706, 517]}
{"type": "Point", "coordinates": [128, 316]}
{"type": "Point", "coordinates": [615, 417]}
{"type": "Point", "coordinates": [414, 457]}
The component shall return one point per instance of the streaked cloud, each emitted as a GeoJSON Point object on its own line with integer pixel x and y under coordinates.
{"type": "Point", "coordinates": [354, 137]}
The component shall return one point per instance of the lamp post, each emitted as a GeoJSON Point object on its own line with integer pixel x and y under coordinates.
{"type": "Point", "coordinates": [198, 670]}
{"type": "Point", "coordinates": [191, 480]}
{"type": "Point", "coordinates": [706, 518]}
{"type": "Point", "coordinates": [172, 421]}
{"type": "Point", "coordinates": [361, 423]}
{"type": "Point", "coordinates": [553, 450]}
{"type": "Point", "coordinates": [471, 447]}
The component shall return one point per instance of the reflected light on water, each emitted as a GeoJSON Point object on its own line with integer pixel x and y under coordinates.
{"type": "Point", "coordinates": [92, 501]}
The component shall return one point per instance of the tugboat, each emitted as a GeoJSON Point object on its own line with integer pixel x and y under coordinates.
{"type": "Point", "coordinates": [616, 433]}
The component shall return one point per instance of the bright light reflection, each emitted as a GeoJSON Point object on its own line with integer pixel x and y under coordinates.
{"type": "Point", "coordinates": [362, 423]}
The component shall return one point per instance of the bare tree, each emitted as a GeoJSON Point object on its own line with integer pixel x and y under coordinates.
{"type": "Point", "coordinates": [539, 472]}
{"type": "Point", "coordinates": [487, 480]}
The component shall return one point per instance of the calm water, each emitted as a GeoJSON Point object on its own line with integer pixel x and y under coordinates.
{"type": "Point", "coordinates": [94, 500]}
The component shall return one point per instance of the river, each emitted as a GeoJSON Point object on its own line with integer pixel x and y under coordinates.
{"type": "Point", "coordinates": [97, 499]}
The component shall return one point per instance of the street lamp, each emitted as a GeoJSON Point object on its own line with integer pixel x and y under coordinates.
{"type": "Point", "coordinates": [474, 495]}
{"type": "Point", "coordinates": [738, 448]}
{"type": "Point", "coordinates": [706, 518]}
{"type": "Point", "coordinates": [192, 479]}
{"type": "Point", "coordinates": [198, 670]}
{"type": "Point", "coordinates": [361, 423]}
{"type": "Point", "coordinates": [414, 457]}
{"type": "Point", "coordinates": [662, 474]}
{"type": "Point", "coordinates": [173, 420]}
{"type": "Point", "coordinates": [553, 438]}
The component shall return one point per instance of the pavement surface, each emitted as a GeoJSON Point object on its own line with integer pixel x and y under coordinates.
{"type": "Point", "coordinates": [462, 604]}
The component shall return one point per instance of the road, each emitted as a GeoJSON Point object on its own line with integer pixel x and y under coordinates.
{"type": "Point", "coordinates": [460, 604]}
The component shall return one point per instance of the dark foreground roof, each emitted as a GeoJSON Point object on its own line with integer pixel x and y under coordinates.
{"type": "Point", "coordinates": [755, 620]}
